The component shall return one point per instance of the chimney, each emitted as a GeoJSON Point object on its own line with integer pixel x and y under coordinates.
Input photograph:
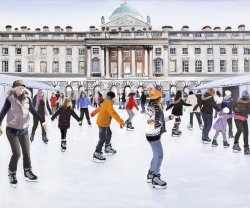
{"type": "Point", "coordinates": [92, 29]}
{"type": "Point", "coordinates": [8, 28]}
{"type": "Point", "coordinates": [38, 30]}
{"type": "Point", "coordinates": [228, 28]}
{"type": "Point", "coordinates": [57, 29]}
{"type": "Point", "coordinates": [23, 29]}
{"type": "Point", "coordinates": [206, 28]}
{"type": "Point", "coordinates": [185, 28]}
{"type": "Point", "coordinates": [217, 29]}
{"type": "Point", "coordinates": [45, 29]}
{"type": "Point", "coordinates": [68, 29]}
{"type": "Point", "coordinates": [241, 28]}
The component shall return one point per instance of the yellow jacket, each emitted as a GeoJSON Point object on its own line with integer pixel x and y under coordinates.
{"type": "Point", "coordinates": [106, 113]}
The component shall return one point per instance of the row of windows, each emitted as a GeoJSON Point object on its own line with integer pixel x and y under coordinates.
{"type": "Point", "coordinates": [210, 66]}
{"type": "Point", "coordinates": [43, 66]}
{"type": "Point", "coordinates": [126, 53]}
{"type": "Point", "coordinates": [43, 51]}
{"type": "Point", "coordinates": [209, 34]}
{"type": "Point", "coordinates": [210, 51]}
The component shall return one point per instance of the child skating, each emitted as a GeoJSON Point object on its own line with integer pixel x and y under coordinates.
{"type": "Point", "coordinates": [129, 107]}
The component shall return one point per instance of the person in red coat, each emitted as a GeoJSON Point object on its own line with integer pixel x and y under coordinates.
{"type": "Point", "coordinates": [65, 112]}
{"type": "Point", "coordinates": [53, 103]}
{"type": "Point", "coordinates": [129, 107]}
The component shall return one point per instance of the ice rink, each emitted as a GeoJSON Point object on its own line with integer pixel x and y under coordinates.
{"type": "Point", "coordinates": [197, 174]}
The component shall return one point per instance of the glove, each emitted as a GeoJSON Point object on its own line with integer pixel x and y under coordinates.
{"type": "Point", "coordinates": [1, 132]}
{"type": "Point", "coordinates": [122, 125]}
{"type": "Point", "coordinates": [92, 114]}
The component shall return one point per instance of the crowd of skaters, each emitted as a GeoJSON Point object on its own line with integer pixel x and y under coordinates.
{"type": "Point", "coordinates": [19, 103]}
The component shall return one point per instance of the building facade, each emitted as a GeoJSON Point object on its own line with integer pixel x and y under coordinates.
{"type": "Point", "coordinates": [125, 53]}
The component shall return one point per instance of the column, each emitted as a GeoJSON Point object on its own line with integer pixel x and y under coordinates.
{"type": "Point", "coordinates": [88, 61]}
{"type": "Point", "coordinates": [145, 62]}
{"type": "Point", "coordinates": [107, 63]}
{"type": "Point", "coordinates": [119, 63]}
{"type": "Point", "coordinates": [102, 62]}
{"type": "Point", "coordinates": [133, 62]}
{"type": "Point", "coordinates": [151, 62]}
{"type": "Point", "coordinates": [165, 60]}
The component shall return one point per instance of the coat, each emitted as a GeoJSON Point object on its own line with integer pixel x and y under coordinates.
{"type": "Point", "coordinates": [242, 107]}
{"type": "Point", "coordinates": [83, 102]}
{"type": "Point", "coordinates": [192, 99]}
{"type": "Point", "coordinates": [42, 106]}
{"type": "Point", "coordinates": [221, 122]}
{"type": "Point", "coordinates": [177, 107]}
{"type": "Point", "coordinates": [131, 103]}
{"type": "Point", "coordinates": [105, 113]}
{"type": "Point", "coordinates": [53, 101]}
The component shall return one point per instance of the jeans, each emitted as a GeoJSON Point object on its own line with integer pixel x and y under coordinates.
{"type": "Point", "coordinates": [242, 126]}
{"type": "Point", "coordinates": [157, 156]}
{"type": "Point", "coordinates": [53, 110]}
{"type": "Point", "coordinates": [131, 115]}
{"type": "Point", "coordinates": [223, 134]}
{"type": "Point", "coordinates": [35, 124]}
{"type": "Point", "coordinates": [198, 116]}
{"type": "Point", "coordinates": [63, 133]}
{"type": "Point", "coordinates": [86, 112]}
{"type": "Point", "coordinates": [105, 135]}
{"type": "Point", "coordinates": [15, 143]}
{"type": "Point", "coordinates": [208, 120]}
{"type": "Point", "coordinates": [143, 108]}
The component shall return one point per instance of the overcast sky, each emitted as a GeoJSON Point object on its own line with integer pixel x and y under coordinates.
{"type": "Point", "coordinates": [80, 14]}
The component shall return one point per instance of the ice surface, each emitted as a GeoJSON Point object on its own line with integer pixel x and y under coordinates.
{"type": "Point", "coordinates": [197, 174]}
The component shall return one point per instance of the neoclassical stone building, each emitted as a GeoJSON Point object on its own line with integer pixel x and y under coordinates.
{"type": "Point", "coordinates": [125, 52]}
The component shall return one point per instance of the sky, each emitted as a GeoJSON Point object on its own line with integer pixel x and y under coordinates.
{"type": "Point", "coordinates": [80, 14]}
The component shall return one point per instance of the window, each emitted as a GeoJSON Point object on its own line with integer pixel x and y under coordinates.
{"type": "Point", "coordinates": [81, 67]}
{"type": "Point", "coordinates": [210, 51]}
{"type": "Point", "coordinates": [18, 66]}
{"type": "Point", "coordinates": [198, 35]}
{"type": "Point", "coordinates": [223, 66]}
{"type": "Point", "coordinates": [31, 66]}
{"type": "Point", "coordinates": [185, 65]}
{"type": "Point", "coordinates": [18, 51]}
{"type": "Point", "coordinates": [43, 51]}
{"type": "Point", "coordinates": [126, 53]}
{"type": "Point", "coordinates": [198, 66]}
{"type": "Point", "coordinates": [234, 51]}
{"type": "Point", "coordinates": [55, 51]}
{"type": "Point", "coordinates": [113, 53]}
{"type": "Point", "coordinates": [246, 66]}
{"type": "Point", "coordinates": [197, 51]}
{"type": "Point", "coordinates": [210, 65]}
{"type": "Point", "coordinates": [209, 34]}
{"type": "Point", "coordinates": [234, 65]}
{"type": "Point", "coordinates": [95, 50]}
{"type": "Point", "coordinates": [55, 67]}
{"type": "Point", "coordinates": [43, 67]}
{"type": "Point", "coordinates": [158, 51]}
{"type": "Point", "coordinates": [30, 51]}
{"type": "Point", "coordinates": [173, 66]}
{"type": "Point", "coordinates": [185, 34]}
{"type": "Point", "coordinates": [139, 68]}
{"type": "Point", "coordinates": [173, 51]}
{"type": "Point", "coordinates": [139, 53]}
{"type": "Point", "coordinates": [69, 51]}
{"type": "Point", "coordinates": [113, 67]}
{"type": "Point", "coordinates": [126, 65]}
{"type": "Point", "coordinates": [222, 51]}
{"type": "Point", "coordinates": [5, 51]}
{"type": "Point", "coordinates": [246, 51]}
{"type": "Point", "coordinates": [81, 51]}
{"type": "Point", "coordinates": [185, 51]}
{"type": "Point", "coordinates": [68, 67]}
{"type": "Point", "coordinates": [5, 66]}
{"type": "Point", "coordinates": [96, 65]}
{"type": "Point", "coordinates": [158, 66]}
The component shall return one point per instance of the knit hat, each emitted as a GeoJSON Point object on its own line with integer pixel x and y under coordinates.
{"type": "Point", "coordinates": [18, 83]}
{"type": "Point", "coordinates": [110, 94]}
{"type": "Point", "coordinates": [228, 93]}
{"type": "Point", "coordinates": [191, 93]}
{"type": "Point", "coordinates": [154, 93]}
{"type": "Point", "coordinates": [245, 94]}
{"type": "Point", "coordinates": [199, 92]}
{"type": "Point", "coordinates": [225, 110]}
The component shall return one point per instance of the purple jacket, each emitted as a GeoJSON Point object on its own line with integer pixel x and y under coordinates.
{"type": "Point", "coordinates": [221, 123]}
{"type": "Point", "coordinates": [83, 102]}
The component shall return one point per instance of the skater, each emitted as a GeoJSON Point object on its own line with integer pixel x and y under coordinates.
{"type": "Point", "coordinates": [83, 102]}
{"type": "Point", "coordinates": [137, 97]}
{"type": "Point", "coordinates": [64, 113]}
{"type": "Point", "coordinates": [207, 104]}
{"type": "Point", "coordinates": [99, 99]}
{"type": "Point", "coordinates": [17, 106]}
{"type": "Point", "coordinates": [73, 99]}
{"type": "Point", "coordinates": [192, 99]}
{"type": "Point", "coordinates": [166, 99]}
{"type": "Point", "coordinates": [241, 108]}
{"type": "Point", "coordinates": [60, 100]}
{"type": "Point", "coordinates": [153, 136]}
{"type": "Point", "coordinates": [129, 107]}
{"type": "Point", "coordinates": [143, 102]}
{"type": "Point", "coordinates": [41, 105]}
{"type": "Point", "coordinates": [57, 96]}
{"type": "Point", "coordinates": [123, 100]}
{"type": "Point", "coordinates": [177, 111]}
{"type": "Point", "coordinates": [218, 99]}
{"type": "Point", "coordinates": [120, 100]}
{"type": "Point", "coordinates": [220, 126]}
{"type": "Point", "coordinates": [106, 113]}
{"type": "Point", "coordinates": [95, 102]}
{"type": "Point", "coordinates": [228, 101]}
{"type": "Point", "coordinates": [53, 103]}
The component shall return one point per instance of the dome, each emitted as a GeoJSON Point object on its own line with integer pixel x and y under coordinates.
{"type": "Point", "coordinates": [125, 9]}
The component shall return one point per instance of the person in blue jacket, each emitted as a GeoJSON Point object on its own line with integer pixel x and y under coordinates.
{"type": "Point", "coordinates": [82, 103]}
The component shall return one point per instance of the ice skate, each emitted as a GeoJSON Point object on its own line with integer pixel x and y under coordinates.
{"type": "Point", "coordinates": [30, 176]}
{"type": "Point", "coordinates": [176, 133]}
{"type": "Point", "coordinates": [89, 123]}
{"type": "Point", "coordinates": [150, 176]}
{"type": "Point", "coordinates": [226, 144]}
{"type": "Point", "coordinates": [109, 150]}
{"type": "Point", "coordinates": [206, 141]}
{"type": "Point", "coordinates": [12, 178]}
{"type": "Point", "coordinates": [98, 157]}
{"type": "Point", "coordinates": [190, 126]}
{"type": "Point", "coordinates": [129, 126]}
{"type": "Point", "coordinates": [157, 183]}
{"type": "Point", "coordinates": [45, 139]}
{"type": "Point", "coordinates": [236, 148]}
{"type": "Point", "coordinates": [63, 145]}
{"type": "Point", "coordinates": [214, 143]}
{"type": "Point", "coordinates": [246, 151]}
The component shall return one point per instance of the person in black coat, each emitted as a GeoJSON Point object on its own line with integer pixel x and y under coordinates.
{"type": "Point", "coordinates": [65, 112]}
{"type": "Point", "coordinates": [143, 99]}
{"type": "Point", "coordinates": [177, 110]}
{"type": "Point", "coordinates": [123, 100]}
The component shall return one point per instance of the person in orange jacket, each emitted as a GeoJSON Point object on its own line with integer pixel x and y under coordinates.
{"type": "Point", "coordinates": [129, 107]}
{"type": "Point", "coordinates": [105, 113]}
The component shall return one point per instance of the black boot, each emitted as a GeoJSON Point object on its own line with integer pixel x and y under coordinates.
{"type": "Point", "coordinates": [63, 145]}
{"type": "Point", "coordinates": [12, 178]}
{"type": "Point", "coordinates": [45, 139]}
{"type": "Point", "coordinates": [30, 176]}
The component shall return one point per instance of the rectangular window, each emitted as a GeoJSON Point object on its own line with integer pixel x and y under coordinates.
{"type": "Point", "coordinates": [55, 67]}
{"type": "Point", "coordinates": [81, 67]}
{"type": "Point", "coordinates": [209, 34]}
{"type": "Point", "coordinates": [113, 67]}
{"type": "Point", "coordinates": [113, 53]}
{"type": "Point", "coordinates": [18, 51]}
{"type": "Point", "coordinates": [158, 51]}
{"type": "Point", "coordinates": [234, 51]}
{"type": "Point", "coordinates": [43, 51]}
{"type": "Point", "coordinates": [173, 66]}
{"type": "Point", "coordinates": [210, 51]}
{"type": "Point", "coordinates": [30, 51]}
{"type": "Point", "coordinates": [5, 66]}
{"type": "Point", "coordinates": [185, 65]}
{"type": "Point", "coordinates": [126, 53]}
{"type": "Point", "coordinates": [81, 51]}
{"type": "Point", "coordinates": [172, 51]}
{"type": "Point", "coordinates": [69, 51]}
{"type": "Point", "coordinates": [197, 51]}
{"type": "Point", "coordinates": [43, 67]}
{"type": "Point", "coordinates": [210, 65]}
{"type": "Point", "coordinates": [5, 51]}
{"type": "Point", "coordinates": [95, 50]}
{"type": "Point", "coordinates": [68, 67]}
{"type": "Point", "coordinates": [18, 66]}
{"type": "Point", "coordinates": [126, 66]}
{"type": "Point", "coordinates": [222, 51]}
{"type": "Point", "coordinates": [139, 53]}
{"type": "Point", "coordinates": [246, 51]}
{"type": "Point", "coordinates": [234, 65]}
{"type": "Point", "coordinates": [246, 66]}
{"type": "Point", "coordinates": [197, 35]}
{"type": "Point", "coordinates": [184, 51]}
{"type": "Point", "coordinates": [139, 68]}
{"type": "Point", "coordinates": [56, 51]}
{"type": "Point", "coordinates": [223, 66]}
{"type": "Point", "coordinates": [96, 66]}
{"type": "Point", "coordinates": [198, 66]}
{"type": "Point", "coordinates": [31, 66]}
